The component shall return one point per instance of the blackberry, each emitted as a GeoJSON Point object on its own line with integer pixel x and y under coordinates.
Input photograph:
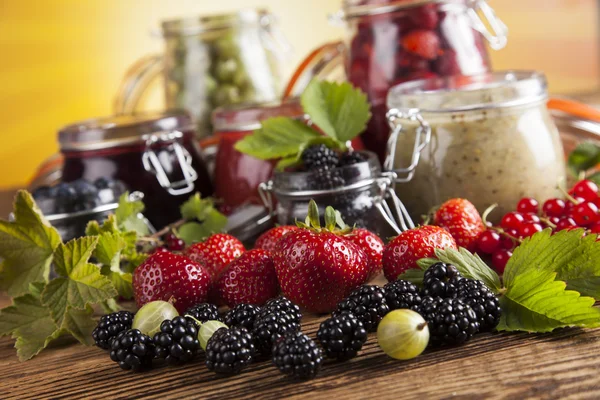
{"type": "Point", "coordinates": [229, 351]}
{"type": "Point", "coordinates": [204, 312]}
{"type": "Point", "coordinates": [109, 326]}
{"type": "Point", "coordinates": [402, 294]}
{"type": "Point", "coordinates": [132, 349]}
{"type": "Point", "coordinates": [320, 157]}
{"type": "Point", "coordinates": [104, 182]}
{"type": "Point", "coordinates": [367, 303]}
{"type": "Point", "coordinates": [86, 195]}
{"type": "Point", "coordinates": [268, 328]}
{"type": "Point", "coordinates": [342, 336]}
{"type": "Point", "coordinates": [450, 321]}
{"type": "Point", "coordinates": [297, 355]}
{"type": "Point", "coordinates": [440, 280]}
{"type": "Point", "coordinates": [177, 341]}
{"type": "Point", "coordinates": [282, 304]}
{"type": "Point", "coordinates": [482, 300]}
{"type": "Point", "coordinates": [351, 158]}
{"type": "Point", "coordinates": [65, 198]}
{"type": "Point", "coordinates": [326, 179]}
{"type": "Point", "coordinates": [242, 315]}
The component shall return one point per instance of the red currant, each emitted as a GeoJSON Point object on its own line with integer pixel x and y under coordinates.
{"type": "Point", "coordinates": [500, 259]}
{"type": "Point", "coordinates": [169, 237]}
{"type": "Point", "coordinates": [531, 218]}
{"type": "Point", "coordinates": [528, 205]}
{"type": "Point", "coordinates": [489, 241]}
{"type": "Point", "coordinates": [571, 205]}
{"type": "Point", "coordinates": [586, 189]}
{"type": "Point", "coordinates": [512, 220]}
{"type": "Point", "coordinates": [585, 214]}
{"type": "Point", "coordinates": [554, 207]}
{"type": "Point", "coordinates": [566, 223]}
{"type": "Point", "coordinates": [530, 229]}
{"type": "Point", "coordinates": [553, 220]}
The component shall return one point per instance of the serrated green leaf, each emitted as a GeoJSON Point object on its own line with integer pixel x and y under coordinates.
{"type": "Point", "coordinates": [584, 157]}
{"type": "Point", "coordinates": [127, 215]}
{"type": "Point", "coordinates": [413, 275]}
{"type": "Point", "coordinates": [536, 302]}
{"type": "Point", "coordinates": [338, 109]}
{"type": "Point", "coordinates": [33, 339]}
{"type": "Point", "coordinates": [26, 246]}
{"type": "Point", "coordinates": [470, 266]}
{"type": "Point", "coordinates": [196, 207]}
{"type": "Point", "coordinates": [193, 232]}
{"type": "Point", "coordinates": [108, 253]}
{"type": "Point", "coordinates": [80, 324]}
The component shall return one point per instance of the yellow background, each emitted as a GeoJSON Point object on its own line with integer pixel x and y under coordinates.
{"type": "Point", "coordinates": [61, 60]}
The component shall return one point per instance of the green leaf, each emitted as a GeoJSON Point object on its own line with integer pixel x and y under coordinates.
{"type": "Point", "coordinates": [595, 177]}
{"type": "Point", "coordinates": [79, 283]}
{"type": "Point", "coordinates": [196, 207]}
{"type": "Point", "coordinates": [584, 157]}
{"type": "Point", "coordinates": [413, 275]}
{"type": "Point", "coordinates": [470, 266]}
{"type": "Point", "coordinates": [425, 263]}
{"type": "Point", "coordinates": [80, 324]}
{"type": "Point", "coordinates": [338, 109]}
{"type": "Point", "coordinates": [26, 246]}
{"type": "Point", "coordinates": [108, 253]}
{"type": "Point", "coordinates": [329, 218]}
{"type": "Point", "coordinates": [127, 215]}
{"type": "Point", "coordinates": [313, 219]}
{"type": "Point", "coordinates": [536, 302]}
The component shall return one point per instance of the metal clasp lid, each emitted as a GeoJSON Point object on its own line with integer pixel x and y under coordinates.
{"type": "Point", "coordinates": [498, 36]}
{"type": "Point", "coordinates": [152, 163]}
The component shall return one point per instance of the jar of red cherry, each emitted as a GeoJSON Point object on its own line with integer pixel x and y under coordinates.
{"type": "Point", "coordinates": [154, 153]}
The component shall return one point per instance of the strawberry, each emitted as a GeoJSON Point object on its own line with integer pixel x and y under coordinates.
{"type": "Point", "coordinates": [215, 252]}
{"type": "Point", "coordinates": [403, 252]}
{"type": "Point", "coordinates": [269, 239]}
{"type": "Point", "coordinates": [422, 42]}
{"type": "Point", "coordinates": [462, 220]}
{"type": "Point", "coordinates": [250, 278]}
{"type": "Point", "coordinates": [372, 245]}
{"type": "Point", "coordinates": [164, 275]}
{"type": "Point", "coordinates": [317, 267]}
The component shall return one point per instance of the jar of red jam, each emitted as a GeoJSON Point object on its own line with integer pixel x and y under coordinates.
{"type": "Point", "coordinates": [154, 153]}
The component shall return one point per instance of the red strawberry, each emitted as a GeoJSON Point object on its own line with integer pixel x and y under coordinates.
{"type": "Point", "coordinates": [462, 220]}
{"type": "Point", "coordinates": [216, 252]}
{"type": "Point", "coordinates": [250, 278]}
{"type": "Point", "coordinates": [372, 245]}
{"type": "Point", "coordinates": [403, 252]}
{"type": "Point", "coordinates": [164, 275]}
{"type": "Point", "coordinates": [269, 239]}
{"type": "Point", "coordinates": [422, 42]}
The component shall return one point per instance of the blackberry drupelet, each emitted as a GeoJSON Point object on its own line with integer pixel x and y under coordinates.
{"type": "Point", "coordinates": [320, 157]}
{"type": "Point", "coordinates": [450, 321]}
{"type": "Point", "coordinates": [87, 195]}
{"type": "Point", "coordinates": [402, 294]}
{"type": "Point", "coordinates": [342, 336]}
{"type": "Point", "coordinates": [367, 303]}
{"type": "Point", "coordinates": [229, 351]}
{"type": "Point", "coordinates": [326, 179]}
{"type": "Point", "coordinates": [132, 349]}
{"type": "Point", "coordinates": [242, 315]}
{"type": "Point", "coordinates": [440, 280]}
{"type": "Point", "coordinates": [268, 328]}
{"type": "Point", "coordinates": [177, 341]}
{"type": "Point", "coordinates": [284, 305]}
{"type": "Point", "coordinates": [351, 158]}
{"type": "Point", "coordinates": [110, 326]}
{"type": "Point", "coordinates": [204, 312]}
{"type": "Point", "coordinates": [297, 355]}
{"type": "Point", "coordinates": [482, 300]}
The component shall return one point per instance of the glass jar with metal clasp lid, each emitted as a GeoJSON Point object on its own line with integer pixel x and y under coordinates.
{"type": "Point", "coordinates": [154, 153]}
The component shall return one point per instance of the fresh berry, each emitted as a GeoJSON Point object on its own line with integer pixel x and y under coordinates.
{"type": "Point", "coordinates": [528, 205]}
{"type": "Point", "coordinates": [242, 315]}
{"type": "Point", "coordinates": [173, 242]}
{"type": "Point", "coordinates": [164, 275]}
{"type": "Point", "coordinates": [585, 189]}
{"type": "Point", "coordinates": [530, 218]}
{"type": "Point", "coordinates": [203, 312]}
{"type": "Point", "coordinates": [367, 303]}
{"type": "Point", "coordinates": [489, 241]}
{"type": "Point", "coordinates": [554, 208]}
{"type": "Point", "coordinates": [110, 326]}
{"type": "Point", "coordinates": [402, 294]}
{"type": "Point", "coordinates": [481, 299]}
{"type": "Point", "coordinates": [462, 220]}
{"type": "Point", "coordinates": [500, 259]}
{"type": "Point", "coordinates": [351, 158]}
{"type": "Point", "coordinates": [229, 351]}
{"type": "Point", "coordinates": [585, 214]}
{"type": "Point", "coordinates": [440, 280]}
{"type": "Point", "coordinates": [216, 252]}
{"type": "Point", "coordinates": [530, 229]}
{"type": "Point", "coordinates": [297, 356]}
{"type": "Point", "coordinates": [566, 223]}
{"type": "Point", "coordinates": [327, 179]}
{"type": "Point", "coordinates": [422, 42]}
{"type": "Point", "coordinates": [342, 336]}
{"type": "Point", "coordinates": [250, 278]}
{"type": "Point", "coordinates": [282, 305]}
{"type": "Point", "coordinates": [372, 245]}
{"type": "Point", "coordinates": [320, 157]}
{"type": "Point", "coordinates": [450, 321]}
{"type": "Point", "coordinates": [104, 182]}
{"type": "Point", "coordinates": [512, 220]}
{"type": "Point", "coordinates": [403, 252]}
{"type": "Point", "coordinates": [177, 341]}
{"type": "Point", "coordinates": [268, 240]}
{"type": "Point", "coordinates": [86, 193]}
{"type": "Point", "coordinates": [132, 349]}
{"type": "Point", "coordinates": [270, 327]}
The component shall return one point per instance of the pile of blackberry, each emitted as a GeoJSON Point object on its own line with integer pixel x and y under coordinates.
{"type": "Point", "coordinates": [177, 342]}
{"type": "Point", "coordinates": [203, 312]}
{"type": "Point", "coordinates": [229, 351]}
{"type": "Point", "coordinates": [110, 326]}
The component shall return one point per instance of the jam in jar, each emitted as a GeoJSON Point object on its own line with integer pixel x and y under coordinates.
{"type": "Point", "coordinates": [153, 153]}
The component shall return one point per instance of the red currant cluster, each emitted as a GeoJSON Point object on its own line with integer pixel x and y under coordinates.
{"type": "Point", "coordinates": [172, 242]}
{"type": "Point", "coordinates": [578, 210]}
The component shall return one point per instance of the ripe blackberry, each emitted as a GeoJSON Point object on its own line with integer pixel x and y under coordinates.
{"type": "Point", "coordinates": [268, 328]}
{"type": "Point", "coordinates": [326, 179]}
{"type": "Point", "coordinates": [297, 355]}
{"type": "Point", "coordinates": [132, 349]}
{"type": "Point", "coordinates": [342, 336]}
{"type": "Point", "coordinates": [86, 195]}
{"type": "Point", "coordinates": [320, 157]}
{"type": "Point", "coordinates": [204, 312]}
{"type": "Point", "coordinates": [177, 341]}
{"type": "Point", "coordinates": [351, 158]}
{"type": "Point", "coordinates": [440, 280]}
{"type": "Point", "coordinates": [402, 294]}
{"type": "Point", "coordinates": [229, 351]}
{"type": "Point", "coordinates": [284, 305]}
{"type": "Point", "coordinates": [482, 300]}
{"type": "Point", "coordinates": [242, 315]}
{"type": "Point", "coordinates": [109, 326]}
{"type": "Point", "coordinates": [367, 303]}
{"type": "Point", "coordinates": [450, 321]}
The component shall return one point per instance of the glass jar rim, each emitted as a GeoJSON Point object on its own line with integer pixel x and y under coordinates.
{"type": "Point", "coordinates": [353, 10]}
{"type": "Point", "coordinates": [461, 93]}
{"type": "Point", "coordinates": [248, 116]}
{"type": "Point", "coordinates": [196, 25]}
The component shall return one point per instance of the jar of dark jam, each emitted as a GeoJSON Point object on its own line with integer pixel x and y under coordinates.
{"type": "Point", "coordinates": [153, 153]}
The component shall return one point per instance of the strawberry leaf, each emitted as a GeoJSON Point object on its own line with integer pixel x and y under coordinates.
{"type": "Point", "coordinates": [330, 218]}
{"type": "Point", "coordinates": [470, 266]}
{"type": "Point", "coordinates": [413, 275]}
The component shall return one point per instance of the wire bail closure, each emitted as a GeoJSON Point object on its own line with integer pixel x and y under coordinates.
{"type": "Point", "coordinates": [497, 35]}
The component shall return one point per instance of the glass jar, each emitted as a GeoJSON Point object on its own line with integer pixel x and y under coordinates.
{"type": "Point", "coordinates": [488, 138]}
{"type": "Point", "coordinates": [155, 154]}
{"type": "Point", "coordinates": [209, 62]}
